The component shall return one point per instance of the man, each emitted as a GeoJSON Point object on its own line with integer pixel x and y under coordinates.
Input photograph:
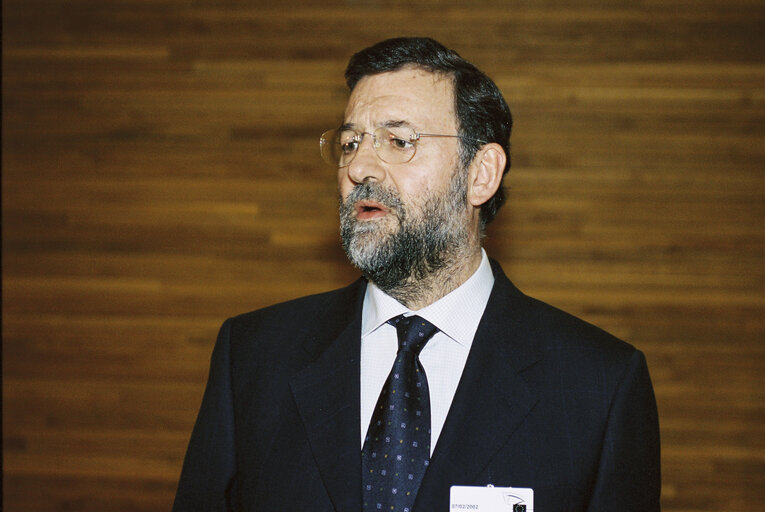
{"type": "Point", "coordinates": [433, 370]}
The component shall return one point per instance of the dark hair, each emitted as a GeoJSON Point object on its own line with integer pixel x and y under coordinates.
{"type": "Point", "coordinates": [482, 112]}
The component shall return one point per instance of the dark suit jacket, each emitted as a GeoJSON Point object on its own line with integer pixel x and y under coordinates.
{"type": "Point", "coordinates": [546, 401]}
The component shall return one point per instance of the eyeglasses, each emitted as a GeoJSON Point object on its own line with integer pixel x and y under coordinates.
{"type": "Point", "coordinates": [392, 145]}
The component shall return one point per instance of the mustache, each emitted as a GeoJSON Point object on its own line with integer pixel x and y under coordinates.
{"type": "Point", "coordinates": [372, 191]}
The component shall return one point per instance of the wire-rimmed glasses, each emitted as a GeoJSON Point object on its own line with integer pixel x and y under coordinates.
{"type": "Point", "coordinates": [392, 145]}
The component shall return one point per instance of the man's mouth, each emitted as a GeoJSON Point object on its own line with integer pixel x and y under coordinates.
{"type": "Point", "coordinates": [368, 210]}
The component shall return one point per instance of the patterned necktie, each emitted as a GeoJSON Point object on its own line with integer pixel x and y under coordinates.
{"type": "Point", "coordinates": [396, 449]}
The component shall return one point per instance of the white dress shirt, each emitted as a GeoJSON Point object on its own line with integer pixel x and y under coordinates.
{"type": "Point", "coordinates": [456, 315]}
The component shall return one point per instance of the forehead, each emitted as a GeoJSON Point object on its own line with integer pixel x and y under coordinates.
{"type": "Point", "coordinates": [412, 95]}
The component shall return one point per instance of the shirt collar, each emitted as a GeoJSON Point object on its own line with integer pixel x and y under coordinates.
{"type": "Point", "coordinates": [457, 314]}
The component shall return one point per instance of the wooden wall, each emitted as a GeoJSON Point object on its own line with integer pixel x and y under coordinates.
{"type": "Point", "coordinates": [160, 172]}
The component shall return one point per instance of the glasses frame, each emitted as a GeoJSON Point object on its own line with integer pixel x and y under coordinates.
{"type": "Point", "coordinates": [326, 139]}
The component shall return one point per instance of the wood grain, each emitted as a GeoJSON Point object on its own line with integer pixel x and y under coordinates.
{"type": "Point", "coordinates": [160, 173]}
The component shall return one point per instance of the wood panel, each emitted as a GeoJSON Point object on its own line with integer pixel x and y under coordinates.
{"type": "Point", "coordinates": [161, 173]}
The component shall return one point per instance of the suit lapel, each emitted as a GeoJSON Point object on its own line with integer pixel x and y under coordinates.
{"type": "Point", "coordinates": [327, 397]}
{"type": "Point", "coordinates": [492, 397]}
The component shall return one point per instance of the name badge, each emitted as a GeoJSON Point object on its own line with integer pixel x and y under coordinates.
{"type": "Point", "coordinates": [490, 499]}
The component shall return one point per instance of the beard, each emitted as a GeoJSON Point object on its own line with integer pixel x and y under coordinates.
{"type": "Point", "coordinates": [431, 235]}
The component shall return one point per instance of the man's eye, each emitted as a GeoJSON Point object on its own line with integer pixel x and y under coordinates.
{"type": "Point", "coordinates": [399, 143]}
{"type": "Point", "coordinates": [349, 147]}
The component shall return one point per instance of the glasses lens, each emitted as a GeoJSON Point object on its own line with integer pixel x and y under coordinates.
{"type": "Point", "coordinates": [395, 145]}
{"type": "Point", "coordinates": [338, 147]}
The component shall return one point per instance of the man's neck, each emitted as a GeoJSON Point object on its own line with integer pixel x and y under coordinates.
{"type": "Point", "coordinates": [417, 293]}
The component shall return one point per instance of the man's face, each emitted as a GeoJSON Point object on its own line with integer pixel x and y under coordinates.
{"type": "Point", "coordinates": [401, 221]}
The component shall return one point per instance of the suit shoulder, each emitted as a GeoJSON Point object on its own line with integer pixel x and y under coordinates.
{"type": "Point", "coordinates": [581, 355]}
{"type": "Point", "coordinates": [545, 329]}
{"type": "Point", "coordinates": [549, 327]}
{"type": "Point", "coordinates": [300, 315]}
{"type": "Point", "coordinates": [564, 327]}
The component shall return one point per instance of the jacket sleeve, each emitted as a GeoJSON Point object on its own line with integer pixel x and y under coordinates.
{"type": "Point", "coordinates": [629, 474]}
{"type": "Point", "coordinates": [210, 463]}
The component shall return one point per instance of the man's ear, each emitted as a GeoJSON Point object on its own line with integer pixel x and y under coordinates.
{"type": "Point", "coordinates": [485, 173]}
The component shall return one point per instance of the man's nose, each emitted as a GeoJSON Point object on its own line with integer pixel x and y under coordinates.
{"type": "Point", "coordinates": [366, 165]}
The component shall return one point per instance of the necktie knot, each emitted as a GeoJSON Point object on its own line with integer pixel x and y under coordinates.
{"type": "Point", "coordinates": [413, 332]}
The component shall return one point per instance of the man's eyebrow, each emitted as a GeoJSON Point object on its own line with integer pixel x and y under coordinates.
{"type": "Point", "coordinates": [396, 124]}
{"type": "Point", "coordinates": [385, 124]}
